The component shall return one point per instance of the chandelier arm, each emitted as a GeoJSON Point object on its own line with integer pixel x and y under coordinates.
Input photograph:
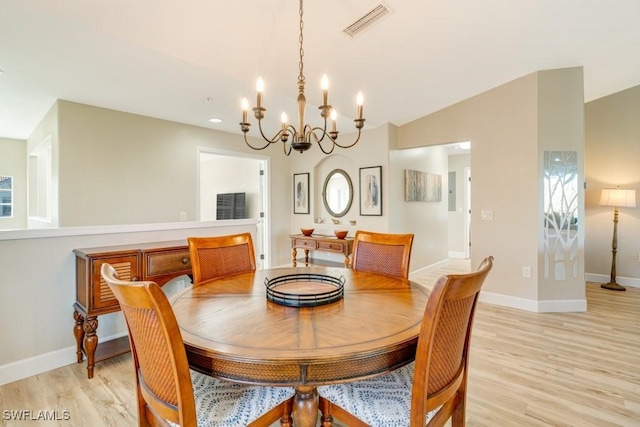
{"type": "Point", "coordinates": [312, 132]}
{"type": "Point", "coordinates": [255, 148]}
{"type": "Point", "coordinates": [275, 138]}
{"type": "Point", "coordinates": [284, 148]}
{"type": "Point", "coordinates": [324, 133]}
{"type": "Point", "coordinates": [349, 145]}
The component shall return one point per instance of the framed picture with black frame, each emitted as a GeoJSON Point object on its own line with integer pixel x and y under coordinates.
{"type": "Point", "coordinates": [371, 191]}
{"type": "Point", "coordinates": [301, 194]}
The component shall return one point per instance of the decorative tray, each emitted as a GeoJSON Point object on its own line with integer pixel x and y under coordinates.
{"type": "Point", "coordinates": [304, 289]}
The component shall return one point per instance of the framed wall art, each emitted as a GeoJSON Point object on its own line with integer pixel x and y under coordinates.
{"type": "Point", "coordinates": [422, 186]}
{"type": "Point", "coordinates": [301, 193]}
{"type": "Point", "coordinates": [371, 191]}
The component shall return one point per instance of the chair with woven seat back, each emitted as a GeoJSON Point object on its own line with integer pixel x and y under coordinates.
{"type": "Point", "coordinates": [221, 256]}
{"type": "Point", "coordinates": [382, 253]}
{"type": "Point", "coordinates": [168, 392]}
{"type": "Point", "coordinates": [432, 389]}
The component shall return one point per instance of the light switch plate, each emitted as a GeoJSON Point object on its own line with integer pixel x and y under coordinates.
{"type": "Point", "coordinates": [486, 215]}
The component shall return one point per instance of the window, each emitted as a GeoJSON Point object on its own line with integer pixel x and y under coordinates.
{"type": "Point", "coordinates": [6, 196]}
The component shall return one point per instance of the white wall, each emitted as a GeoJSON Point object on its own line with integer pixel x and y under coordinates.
{"type": "Point", "coordinates": [37, 288]}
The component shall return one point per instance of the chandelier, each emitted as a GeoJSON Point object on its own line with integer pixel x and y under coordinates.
{"type": "Point", "coordinates": [300, 138]}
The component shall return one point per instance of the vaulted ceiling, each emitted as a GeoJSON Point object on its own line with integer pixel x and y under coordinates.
{"type": "Point", "coordinates": [188, 61]}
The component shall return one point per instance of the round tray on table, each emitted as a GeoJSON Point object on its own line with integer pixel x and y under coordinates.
{"type": "Point", "coordinates": [304, 289]}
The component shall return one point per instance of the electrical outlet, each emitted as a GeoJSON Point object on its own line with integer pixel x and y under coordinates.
{"type": "Point", "coordinates": [526, 271]}
{"type": "Point", "coordinates": [183, 216]}
{"type": "Point", "coordinates": [486, 215]}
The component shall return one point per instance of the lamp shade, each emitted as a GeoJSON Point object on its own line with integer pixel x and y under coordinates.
{"type": "Point", "coordinates": [618, 197]}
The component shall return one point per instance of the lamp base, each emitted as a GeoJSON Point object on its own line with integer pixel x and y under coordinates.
{"type": "Point", "coordinates": [613, 286]}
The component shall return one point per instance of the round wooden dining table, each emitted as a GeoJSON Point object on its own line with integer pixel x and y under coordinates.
{"type": "Point", "coordinates": [232, 331]}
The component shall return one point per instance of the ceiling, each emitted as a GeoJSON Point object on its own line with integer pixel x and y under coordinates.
{"type": "Point", "coordinates": [188, 61]}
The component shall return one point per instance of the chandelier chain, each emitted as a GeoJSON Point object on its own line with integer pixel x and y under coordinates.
{"type": "Point", "coordinates": [300, 39]}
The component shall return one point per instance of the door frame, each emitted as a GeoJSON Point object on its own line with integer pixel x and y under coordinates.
{"type": "Point", "coordinates": [263, 227]}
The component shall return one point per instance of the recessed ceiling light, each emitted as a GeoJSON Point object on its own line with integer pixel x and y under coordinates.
{"type": "Point", "coordinates": [215, 120]}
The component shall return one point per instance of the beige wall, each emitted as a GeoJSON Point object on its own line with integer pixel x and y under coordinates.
{"type": "Point", "coordinates": [121, 168]}
{"type": "Point", "coordinates": [47, 128]}
{"type": "Point", "coordinates": [612, 157]}
{"type": "Point", "coordinates": [502, 125]}
{"type": "Point", "coordinates": [561, 128]}
{"type": "Point", "coordinates": [37, 288]}
{"type": "Point", "coordinates": [13, 163]}
{"type": "Point", "coordinates": [371, 150]}
{"type": "Point", "coordinates": [428, 221]}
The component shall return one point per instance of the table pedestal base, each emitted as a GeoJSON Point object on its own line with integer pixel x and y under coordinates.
{"type": "Point", "coordinates": [305, 406]}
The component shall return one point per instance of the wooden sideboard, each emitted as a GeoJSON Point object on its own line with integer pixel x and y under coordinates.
{"type": "Point", "coordinates": [320, 243]}
{"type": "Point", "coordinates": [159, 262]}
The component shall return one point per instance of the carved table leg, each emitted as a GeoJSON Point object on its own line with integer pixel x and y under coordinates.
{"type": "Point", "coordinates": [294, 255]}
{"type": "Point", "coordinates": [305, 406]}
{"type": "Point", "coordinates": [78, 332]}
{"type": "Point", "coordinates": [346, 261]}
{"type": "Point", "coordinates": [306, 257]}
{"type": "Point", "coordinates": [90, 342]}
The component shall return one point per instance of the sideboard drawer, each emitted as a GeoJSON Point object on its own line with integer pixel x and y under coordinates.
{"type": "Point", "coordinates": [167, 262]}
{"type": "Point", "coordinates": [307, 244]}
{"type": "Point", "coordinates": [331, 247]}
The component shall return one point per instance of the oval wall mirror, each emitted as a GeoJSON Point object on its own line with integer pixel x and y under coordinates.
{"type": "Point", "coordinates": [337, 193]}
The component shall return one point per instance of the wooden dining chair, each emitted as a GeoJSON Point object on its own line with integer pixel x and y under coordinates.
{"type": "Point", "coordinates": [433, 388]}
{"type": "Point", "coordinates": [221, 256]}
{"type": "Point", "coordinates": [168, 392]}
{"type": "Point", "coordinates": [382, 253]}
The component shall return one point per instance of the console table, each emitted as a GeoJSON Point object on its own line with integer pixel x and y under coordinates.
{"type": "Point", "coordinates": [159, 262]}
{"type": "Point", "coordinates": [320, 243]}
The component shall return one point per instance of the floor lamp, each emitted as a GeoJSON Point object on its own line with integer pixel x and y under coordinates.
{"type": "Point", "coordinates": [618, 198]}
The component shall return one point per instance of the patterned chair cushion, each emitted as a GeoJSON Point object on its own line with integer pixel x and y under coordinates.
{"type": "Point", "coordinates": [383, 401]}
{"type": "Point", "coordinates": [221, 403]}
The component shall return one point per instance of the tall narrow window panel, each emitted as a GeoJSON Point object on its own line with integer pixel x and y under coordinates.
{"type": "Point", "coordinates": [6, 196]}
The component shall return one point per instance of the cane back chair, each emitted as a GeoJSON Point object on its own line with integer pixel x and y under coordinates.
{"type": "Point", "coordinates": [168, 392]}
{"type": "Point", "coordinates": [433, 388]}
{"type": "Point", "coordinates": [220, 256]}
{"type": "Point", "coordinates": [382, 253]}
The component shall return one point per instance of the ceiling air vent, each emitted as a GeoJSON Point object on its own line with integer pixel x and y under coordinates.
{"type": "Point", "coordinates": [366, 21]}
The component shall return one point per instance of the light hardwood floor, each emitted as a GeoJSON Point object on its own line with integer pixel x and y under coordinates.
{"type": "Point", "coordinates": [527, 369]}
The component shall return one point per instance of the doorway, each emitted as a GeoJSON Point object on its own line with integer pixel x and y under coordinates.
{"type": "Point", "coordinates": [244, 176]}
{"type": "Point", "coordinates": [459, 216]}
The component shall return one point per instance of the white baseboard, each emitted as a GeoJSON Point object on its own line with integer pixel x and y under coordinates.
{"type": "Point", "coordinates": [457, 255]}
{"type": "Point", "coordinates": [36, 365]}
{"type": "Point", "coordinates": [430, 268]}
{"type": "Point", "coordinates": [604, 278]}
{"type": "Point", "coordinates": [26, 368]}
{"type": "Point", "coordinates": [548, 306]}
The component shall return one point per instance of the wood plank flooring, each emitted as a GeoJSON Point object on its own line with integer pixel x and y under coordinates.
{"type": "Point", "coordinates": [527, 369]}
